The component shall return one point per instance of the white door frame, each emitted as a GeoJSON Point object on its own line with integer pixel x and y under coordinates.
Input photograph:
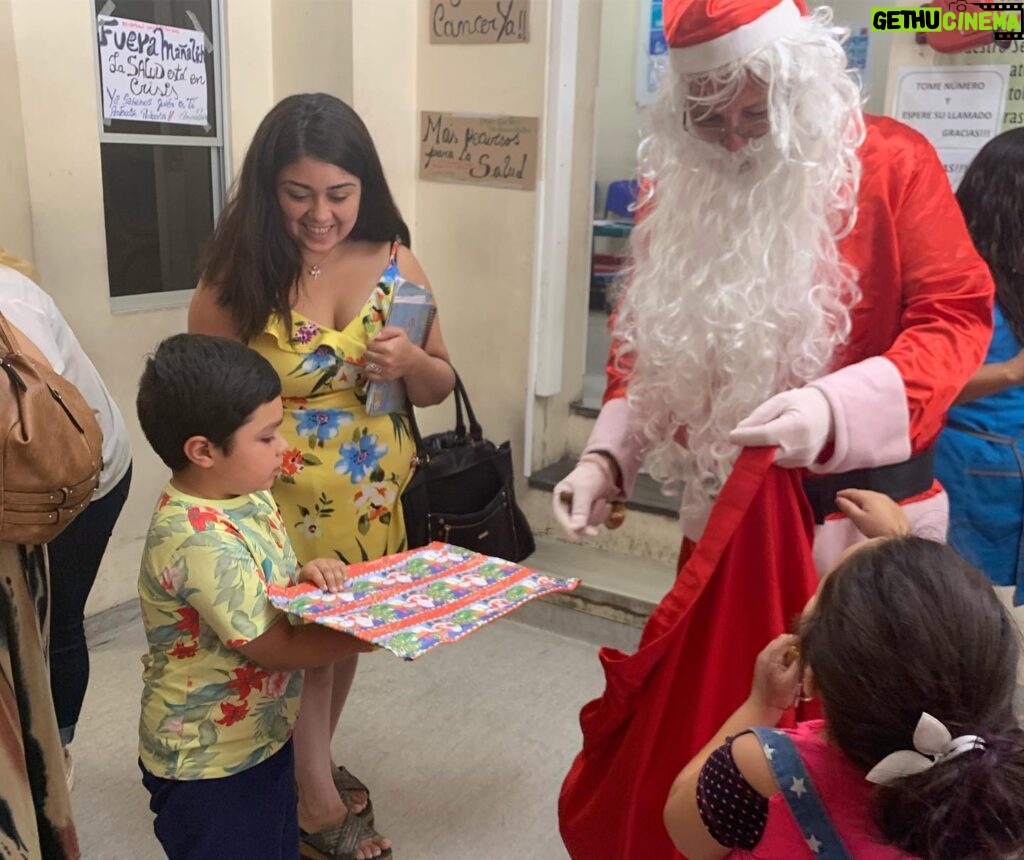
{"type": "Point", "coordinates": [554, 195]}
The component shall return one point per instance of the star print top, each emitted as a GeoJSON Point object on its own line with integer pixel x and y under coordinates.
{"type": "Point", "coordinates": [738, 817]}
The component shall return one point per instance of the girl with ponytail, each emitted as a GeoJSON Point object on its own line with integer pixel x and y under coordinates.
{"type": "Point", "coordinates": [914, 661]}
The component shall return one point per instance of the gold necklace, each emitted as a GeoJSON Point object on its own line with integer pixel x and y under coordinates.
{"type": "Point", "coordinates": [315, 271]}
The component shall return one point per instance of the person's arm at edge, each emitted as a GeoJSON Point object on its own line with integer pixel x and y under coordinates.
{"type": "Point", "coordinates": [207, 316]}
{"type": "Point", "coordinates": [286, 647]}
{"type": "Point", "coordinates": [682, 817]}
{"type": "Point", "coordinates": [993, 378]}
{"type": "Point", "coordinates": [432, 378]}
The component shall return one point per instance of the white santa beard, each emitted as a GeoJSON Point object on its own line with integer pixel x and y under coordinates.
{"type": "Point", "coordinates": [739, 294]}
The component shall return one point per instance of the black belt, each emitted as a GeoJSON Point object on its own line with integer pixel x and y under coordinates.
{"type": "Point", "coordinates": [899, 481]}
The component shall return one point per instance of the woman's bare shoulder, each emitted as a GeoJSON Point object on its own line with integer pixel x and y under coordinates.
{"type": "Point", "coordinates": [206, 315]}
{"type": "Point", "coordinates": [410, 267]}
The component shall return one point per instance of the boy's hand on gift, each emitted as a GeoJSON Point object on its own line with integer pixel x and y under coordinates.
{"type": "Point", "coordinates": [777, 676]}
{"type": "Point", "coordinates": [874, 514]}
{"type": "Point", "coordinates": [327, 574]}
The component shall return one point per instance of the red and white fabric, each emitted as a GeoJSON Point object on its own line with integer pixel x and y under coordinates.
{"type": "Point", "coordinates": [705, 34]}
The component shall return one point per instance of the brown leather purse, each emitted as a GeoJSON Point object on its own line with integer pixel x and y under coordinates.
{"type": "Point", "coordinates": [50, 448]}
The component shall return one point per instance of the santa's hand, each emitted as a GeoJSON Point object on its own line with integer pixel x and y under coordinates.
{"type": "Point", "coordinates": [797, 422]}
{"type": "Point", "coordinates": [582, 500]}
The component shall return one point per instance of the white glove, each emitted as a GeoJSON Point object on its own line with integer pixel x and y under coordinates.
{"type": "Point", "coordinates": [581, 500]}
{"type": "Point", "coordinates": [797, 422]}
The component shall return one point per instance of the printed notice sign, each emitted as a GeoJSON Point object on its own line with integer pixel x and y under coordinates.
{"type": "Point", "coordinates": [652, 52]}
{"type": "Point", "coordinates": [152, 72]}
{"type": "Point", "coordinates": [958, 109]}
{"type": "Point", "coordinates": [479, 22]}
{"type": "Point", "coordinates": [479, 150]}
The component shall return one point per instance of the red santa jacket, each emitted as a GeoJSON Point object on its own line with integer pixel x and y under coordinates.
{"type": "Point", "coordinates": [919, 332]}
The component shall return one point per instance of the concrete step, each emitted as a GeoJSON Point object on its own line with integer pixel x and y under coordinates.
{"type": "Point", "coordinates": [643, 536]}
{"type": "Point", "coordinates": [651, 529]}
{"type": "Point", "coordinates": [616, 594]}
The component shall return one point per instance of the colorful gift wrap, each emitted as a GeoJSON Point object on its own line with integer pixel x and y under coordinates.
{"type": "Point", "coordinates": [414, 601]}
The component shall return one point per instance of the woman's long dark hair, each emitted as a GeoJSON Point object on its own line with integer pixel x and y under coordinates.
{"type": "Point", "coordinates": [904, 627]}
{"type": "Point", "coordinates": [251, 261]}
{"type": "Point", "coordinates": [991, 196]}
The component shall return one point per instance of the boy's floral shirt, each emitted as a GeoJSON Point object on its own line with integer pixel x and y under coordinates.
{"type": "Point", "coordinates": [207, 711]}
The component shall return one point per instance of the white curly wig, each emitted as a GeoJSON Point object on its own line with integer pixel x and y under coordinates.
{"type": "Point", "coordinates": [737, 290]}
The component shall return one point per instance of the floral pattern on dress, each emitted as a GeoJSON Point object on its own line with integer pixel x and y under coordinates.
{"type": "Point", "coordinates": [360, 457]}
{"type": "Point", "coordinates": [320, 425]}
{"type": "Point", "coordinates": [344, 471]}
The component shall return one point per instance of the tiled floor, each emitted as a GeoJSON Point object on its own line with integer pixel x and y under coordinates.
{"type": "Point", "coordinates": [464, 750]}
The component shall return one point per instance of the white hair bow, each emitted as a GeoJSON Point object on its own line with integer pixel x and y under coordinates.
{"type": "Point", "coordinates": [932, 744]}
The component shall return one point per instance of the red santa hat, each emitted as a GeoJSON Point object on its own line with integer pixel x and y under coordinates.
{"type": "Point", "coordinates": [705, 34]}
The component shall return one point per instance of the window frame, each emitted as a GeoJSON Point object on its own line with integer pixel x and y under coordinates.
{"type": "Point", "coordinates": [217, 144]}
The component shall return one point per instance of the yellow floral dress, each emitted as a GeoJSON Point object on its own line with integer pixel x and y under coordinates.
{"type": "Point", "coordinates": [343, 474]}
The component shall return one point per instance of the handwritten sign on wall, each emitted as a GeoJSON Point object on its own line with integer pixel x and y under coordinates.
{"type": "Point", "coordinates": [479, 22]}
{"type": "Point", "coordinates": [479, 150]}
{"type": "Point", "coordinates": [959, 109]}
{"type": "Point", "coordinates": [152, 72]}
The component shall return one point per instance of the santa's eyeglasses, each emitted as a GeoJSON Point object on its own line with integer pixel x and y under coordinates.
{"type": "Point", "coordinates": [717, 130]}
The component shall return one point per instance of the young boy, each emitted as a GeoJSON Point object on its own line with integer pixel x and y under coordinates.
{"type": "Point", "coordinates": [221, 677]}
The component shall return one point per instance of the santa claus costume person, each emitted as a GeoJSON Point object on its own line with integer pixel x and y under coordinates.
{"type": "Point", "coordinates": [802, 279]}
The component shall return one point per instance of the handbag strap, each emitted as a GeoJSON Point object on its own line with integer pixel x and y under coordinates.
{"type": "Point", "coordinates": [801, 796]}
{"type": "Point", "coordinates": [476, 432]}
{"type": "Point", "coordinates": [7, 339]}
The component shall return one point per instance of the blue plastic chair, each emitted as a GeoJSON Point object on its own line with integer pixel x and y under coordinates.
{"type": "Point", "coordinates": [621, 195]}
{"type": "Point", "coordinates": [605, 267]}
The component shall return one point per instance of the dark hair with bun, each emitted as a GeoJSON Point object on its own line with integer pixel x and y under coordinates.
{"type": "Point", "coordinates": [907, 626]}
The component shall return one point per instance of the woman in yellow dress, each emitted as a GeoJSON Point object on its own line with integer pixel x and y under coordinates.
{"type": "Point", "coordinates": [302, 267]}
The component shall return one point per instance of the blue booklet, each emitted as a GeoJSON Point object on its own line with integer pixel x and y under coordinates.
{"type": "Point", "coordinates": [412, 309]}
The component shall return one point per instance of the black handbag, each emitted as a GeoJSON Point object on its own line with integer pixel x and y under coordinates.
{"type": "Point", "coordinates": [462, 492]}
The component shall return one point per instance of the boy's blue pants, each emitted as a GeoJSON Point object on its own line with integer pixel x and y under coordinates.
{"type": "Point", "coordinates": [249, 815]}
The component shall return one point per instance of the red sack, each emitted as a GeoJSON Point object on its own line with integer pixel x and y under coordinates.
{"type": "Point", "coordinates": [743, 585]}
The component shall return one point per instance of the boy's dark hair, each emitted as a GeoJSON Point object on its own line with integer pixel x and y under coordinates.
{"type": "Point", "coordinates": [904, 627]}
{"type": "Point", "coordinates": [196, 385]}
{"type": "Point", "coordinates": [251, 260]}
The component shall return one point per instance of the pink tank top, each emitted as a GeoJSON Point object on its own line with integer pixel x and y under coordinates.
{"type": "Point", "coordinates": [845, 794]}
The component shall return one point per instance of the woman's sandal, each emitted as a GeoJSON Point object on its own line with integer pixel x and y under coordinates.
{"type": "Point", "coordinates": [339, 842]}
{"type": "Point", "coordinates": [346, 783]}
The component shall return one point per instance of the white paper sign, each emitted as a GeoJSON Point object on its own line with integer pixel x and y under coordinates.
{"type": "Point", "coordinates": [152, 72]}
{"type": "Point", "coordinates": [959, 109]}
{"type": "Point", "coordinates": [652, 52]}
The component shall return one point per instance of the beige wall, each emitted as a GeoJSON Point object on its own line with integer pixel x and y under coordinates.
{"type": "Point", "coordinates": [619, 120]}
{"type": "Point", "coordinates": [312, 47]}
{"type": "Point", "coordinates": [248, 34]}
{"type": "Point", "coordinates": [385, 41]}
{"type": "Point", "coordinates": [477, 243]}
{"type": "Point", "coordinates": [15, 213]}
